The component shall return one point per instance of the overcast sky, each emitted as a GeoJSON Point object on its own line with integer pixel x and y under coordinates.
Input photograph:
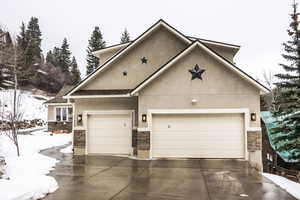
{"type": "Point", "coordinates": [259, 26]}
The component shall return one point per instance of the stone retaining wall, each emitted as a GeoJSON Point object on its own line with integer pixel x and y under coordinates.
{"type": "Point", "coordinates": [60, 126]}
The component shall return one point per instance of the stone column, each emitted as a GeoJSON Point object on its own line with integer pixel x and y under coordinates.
{"type": "Point", "coordinates": [79, 142]}
{"type": "Point", "coordinates": [254, 140]}
{"type": "Point", "coordinates": [143, 144]}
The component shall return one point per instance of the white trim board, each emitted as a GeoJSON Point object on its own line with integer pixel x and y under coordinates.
{"type": "Point", "coordinates": [244, 111]}
{"type": "Point", "coordinates": [107, 49]}
{"type": "Point", "coordinates": [96, 96]}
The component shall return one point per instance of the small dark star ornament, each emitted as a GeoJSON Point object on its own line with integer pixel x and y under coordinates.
{"type": "Point", "coordinates": [144, 60]}
{"type": "Point", "coordinates": [197, 72]}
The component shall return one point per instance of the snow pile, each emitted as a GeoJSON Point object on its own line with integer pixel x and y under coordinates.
{"type": "Point", "coordinates": [27, 173]}
{"type": "Point", "coordinates": [30, 106]}
{"type": "Point", "coordinates": [290, 186]}
{"type": "Point", "coordinates": [68, 149]}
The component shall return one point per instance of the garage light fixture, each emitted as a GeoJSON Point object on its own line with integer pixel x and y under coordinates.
{"type": "Point", "coordinates": [253, 117]}
{"type": "Point", "coordinates": [144, 118]}
{"type": "Point", "coordinates": [79, 119]}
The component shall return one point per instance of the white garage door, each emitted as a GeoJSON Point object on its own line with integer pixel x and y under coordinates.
{"type": "Point", "coordinates": [109, 134]}
{"type": "Point", "coordinates": [198, 135]}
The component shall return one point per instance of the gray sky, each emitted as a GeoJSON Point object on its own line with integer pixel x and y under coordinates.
{"type": "Point", "coordinates": [258, 26]}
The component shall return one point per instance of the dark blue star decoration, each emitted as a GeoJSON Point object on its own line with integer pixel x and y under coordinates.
{"type": "Point", "coordinates": [144, 60]}
{"type": "Point", "coordinates": [197, 72]}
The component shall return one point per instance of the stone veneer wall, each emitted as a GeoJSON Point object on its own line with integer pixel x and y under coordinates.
{"type": "Point", "coordinates": [79, 142]}
{"type": "Point", "coordinates": [134, 142]}
{"type": "Point", "coordinates": [59, 126]}
{"type": "Point", "coordinates": [254, 145]}
{"type": "Point", "coordinates": [254, 141]}
{"type": "Point", "coordinates": [143, 144]}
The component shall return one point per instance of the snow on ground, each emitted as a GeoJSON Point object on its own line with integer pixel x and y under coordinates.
{"type": "Point", "coordinates": [290, 186]}
{"type": "Point", "coordinates": [68, 149]}
{"type": "Point", "coordinates": [30, 106]}
{"type": "Point", "coordinates": [27, 173]}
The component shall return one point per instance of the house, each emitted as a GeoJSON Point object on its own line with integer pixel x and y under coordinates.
{"type": "Point", "coordinates": [5, 38]}
{"type": "Point", "coordinates": [167, 95]}
{"type": "Point", "coordinates": [60, 112]}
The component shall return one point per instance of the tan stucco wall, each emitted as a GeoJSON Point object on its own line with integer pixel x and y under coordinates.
{"type": "Point", "coordinates": [51, 113]}
{"type": "Point", "coordinates": [103, 57]}
{"type": "Point", "coordinates": [158, 48]}
{"type": "Point", "coordinates": [226, 52]}
{"type": "Point", "coordinates": [106, 104]}
{"type": "Point", "coordinates": [220, 88]}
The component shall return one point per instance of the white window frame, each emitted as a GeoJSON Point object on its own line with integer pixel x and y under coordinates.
{"type": "Point", "coordinates": [61, 113]}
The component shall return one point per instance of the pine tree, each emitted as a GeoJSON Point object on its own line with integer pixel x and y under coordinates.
{"type": "Point", "coordinates": [75, 71]}
{"type": "Point", "coordinates": [96, 42]}
{"type": "Point", "coordinates": [64, 60]}
{"type": "Point", "coordinates": [21, 38]}
{"type": "Point", "coordinates": [125, 37]}
{"type": "Point", "coordinates": [33, 36]}
{"type": "Point", "coordinates": [287, 132]}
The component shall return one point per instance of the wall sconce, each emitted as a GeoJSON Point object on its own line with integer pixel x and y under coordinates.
{"type": "Point", "coordinates": [194, 101]}
{"type": "Point", "coordinates": [144, 118]}
{"type": "Point", "coordinates": [79, 119]}
{"type": "Point", "coordinates": [253, 116]}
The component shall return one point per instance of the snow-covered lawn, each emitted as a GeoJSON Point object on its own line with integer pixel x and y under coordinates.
{"type": "Point", "coordinates": [290, 186]}
{"type": "Point", "coordinates": [31, 106]}
{"type": "Point", "coordinates": [27, 173]}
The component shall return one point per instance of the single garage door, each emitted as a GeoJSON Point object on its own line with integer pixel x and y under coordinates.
{"type": "Point", "coordinates": [109, 134]}
{"type": "Point", "coordinates": [198, 135]}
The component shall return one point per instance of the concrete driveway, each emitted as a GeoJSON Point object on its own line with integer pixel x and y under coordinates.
{"type": "Point", "coordinates": [117, 178]}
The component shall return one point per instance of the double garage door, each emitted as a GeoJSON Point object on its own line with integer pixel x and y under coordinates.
{"type": "Point", "coordinates": [198, 135]}
{"type": "Point", "coordinates": [173, 135]}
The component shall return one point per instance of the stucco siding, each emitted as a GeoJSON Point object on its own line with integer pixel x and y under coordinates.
{"type": "Point", "coordinates": [220, 88]}
{"type": "Point", "coordinates": [51, 113]}
{"type": "Point", "coordinates": [158, 48]}
{"type": "Point", "coordinates": [103, 57]}
{"type": "Point", "coordinates": [82, 105]}
{"type": "Point", "coordinates": [226, 52]}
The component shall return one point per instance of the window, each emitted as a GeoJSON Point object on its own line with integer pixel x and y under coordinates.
{"type": "Point", "coordinates": [64, 114]}
{"type": "Point", "coordinates": [58, 114]}
{"type": "Point", "coordinates": [70, 114]}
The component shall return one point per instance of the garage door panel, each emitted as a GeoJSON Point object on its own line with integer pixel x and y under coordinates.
{"type": "Point", "coordinates": [198, 135]}
{"type": "Point", "coordinates": [198, 154]}
{"type": "Point", "coordinates": [109, 134]}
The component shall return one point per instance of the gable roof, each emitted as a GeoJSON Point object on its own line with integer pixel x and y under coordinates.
{"type": "Point", "coordinates": [191, 41]}
{"type": "Point", "coordinates": [215, 42]}
{"type": "Point", "coordinates": [112, 47]}
{"type": "Point", "coordinates": [187, 50]}
{"type": "Point", "coordinates": [59, 96]}
{"type": "Point", "coordinates": [130, 46]}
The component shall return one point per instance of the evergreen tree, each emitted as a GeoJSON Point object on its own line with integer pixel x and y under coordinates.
{"type": "Point", "coordinates": [125, 37]}
{"type": "Point", "coordinates": [75, 71]}
{"type": "Point", "coordinates": [64, 60]}
{"type": "Point", "coordinates": [288, 102]}
{"type": "Point", "coordinates": [96, 42]}
{"type": "Point", "coordinates": [21, 38]}
{"type": "Point", "coordinates": [33, 36]}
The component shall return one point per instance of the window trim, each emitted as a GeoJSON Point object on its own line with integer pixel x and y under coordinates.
{"type": "Point", "coordinates": [61, 113]}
